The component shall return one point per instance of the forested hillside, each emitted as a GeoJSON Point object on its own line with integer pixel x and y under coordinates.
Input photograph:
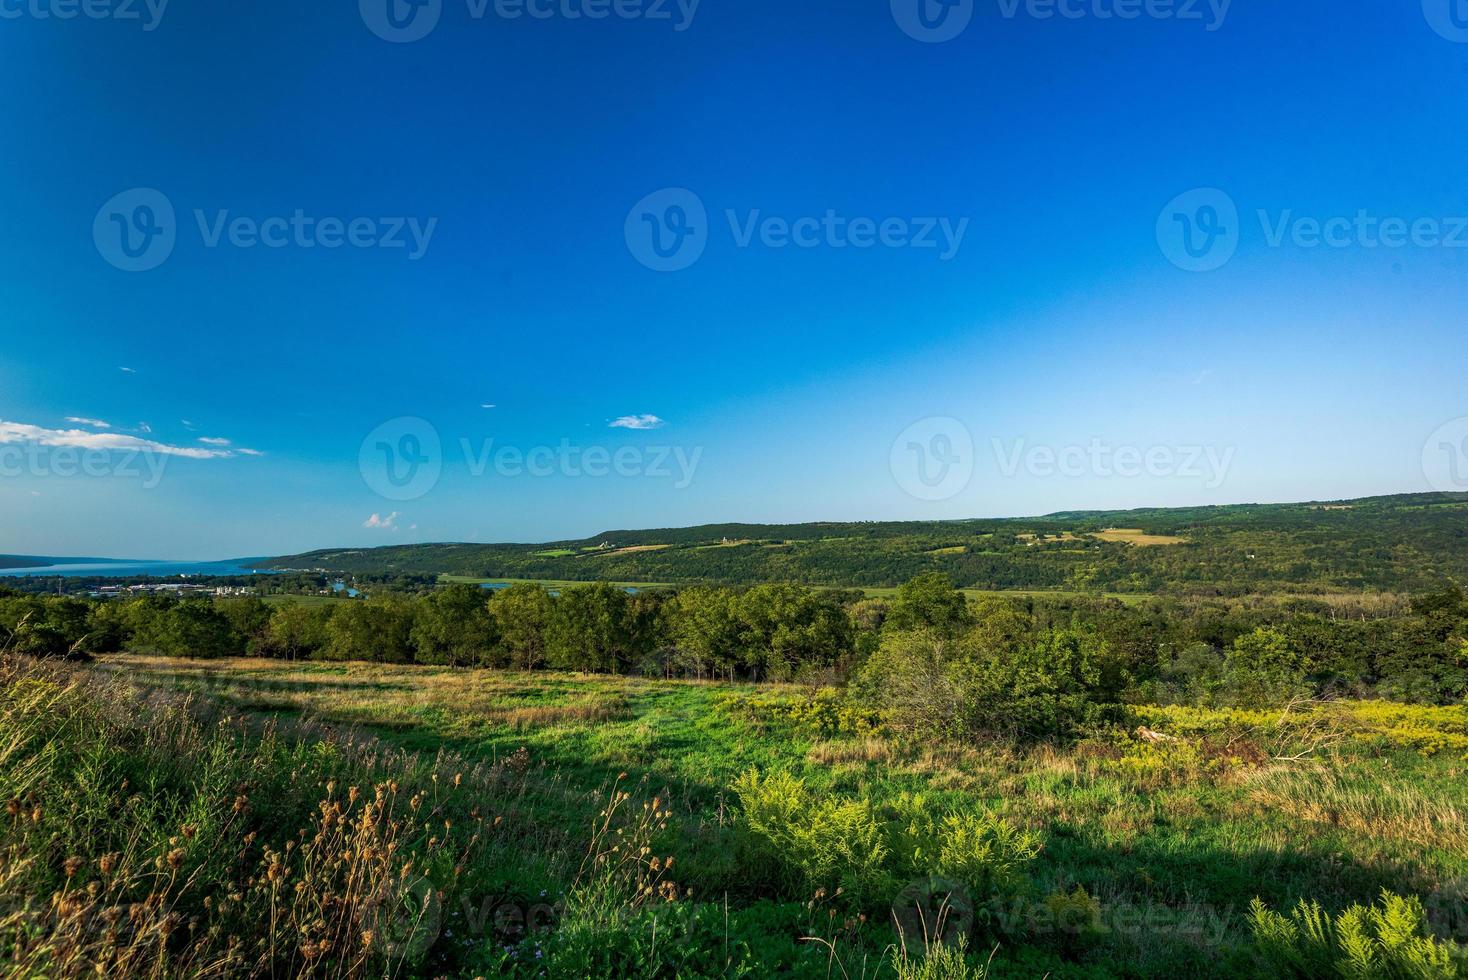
{"type": "Point", "coordinates": [1400, 543]}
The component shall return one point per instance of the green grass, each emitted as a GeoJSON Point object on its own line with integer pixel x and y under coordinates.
{"type": "Point", "coordinates": [1196, 829]}
{"type": "Point", "coordinates": [1159, 846]}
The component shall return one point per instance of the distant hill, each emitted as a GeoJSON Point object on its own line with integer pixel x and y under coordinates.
{"type": "Point", "coordinates": [42, 561]}
{"type": "Point", "coordinates": [1399, 543]}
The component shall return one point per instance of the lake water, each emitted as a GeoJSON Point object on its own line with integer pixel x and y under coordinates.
{"type": "Point", "coordinates": [127, 569]}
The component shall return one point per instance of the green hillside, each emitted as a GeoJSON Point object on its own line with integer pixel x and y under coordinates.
{"type": "Point", "coordinates": [1399, 543]}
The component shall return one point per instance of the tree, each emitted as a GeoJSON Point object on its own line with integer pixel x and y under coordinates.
{"type": "Point", "coordinates": [454, 628]}
{"type": "Point", "coordinates": [929, 602]}
{"type": "Point", "coordinates": [790, 626]}
{"type": "Point", "coordinates": [298, 629]}
{"type": "Point", "coordinates": [704, 624]}
{"type": "Point", "coordinates": [590, 630]}
{"type": "Point", "coordinates": [194, 628]}
{"type": "Point", "coordinates": [249, 617]}
{"type": "Point", "coordinates": [1264, 669]}
{"type": "Point", "coordinates": [377, 629]}
{"type": "Point", "coordinates": [523, 614]}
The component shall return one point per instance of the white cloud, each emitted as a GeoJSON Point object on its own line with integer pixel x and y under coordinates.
{"type": "Point", "coordinates": [637, 422]}
{"type": "Point", "coordinates": [144, 427]}
{"type": "Point", "coordinates": [12, 433]}
{"type": "Point", "coordinates": [249, 452]}
{"type": "Point", "coordinates": [487, 405]}
{"type": "Point", "coordinates": [126, 370]}
{"type": "Point", "coordinates": [213, 441]}
{"type": "Point", "coordinates": [94, 423]}
{"type": "Point", "coordinates": [378, 521]}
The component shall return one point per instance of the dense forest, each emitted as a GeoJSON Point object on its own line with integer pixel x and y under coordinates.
{"type": "Point", "coordinates": [1406, 543]}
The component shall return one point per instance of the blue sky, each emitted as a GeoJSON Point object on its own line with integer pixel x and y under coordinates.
{"type": "Point", "coordinates": [1060, 318]}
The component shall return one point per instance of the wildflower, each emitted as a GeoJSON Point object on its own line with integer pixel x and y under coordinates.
{"type": "Point", "coordinates": [71, 866]}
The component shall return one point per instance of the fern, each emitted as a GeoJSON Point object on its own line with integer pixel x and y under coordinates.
{"type": "Point", "coordinates": [1387, 941]}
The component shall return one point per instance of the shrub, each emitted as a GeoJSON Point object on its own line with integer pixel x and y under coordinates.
{"type": "Point", "coordinates": [1262, 668]}
{"type": "Point", "coordinates": [866, 851]}
{"type": "Point", "coordinates": [826, 843]}
{"type": "Point", "coordinates": [1389, 940]}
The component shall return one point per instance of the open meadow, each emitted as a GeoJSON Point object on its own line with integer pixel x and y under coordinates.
{"type": "Point", "coordinates": [432, 821]}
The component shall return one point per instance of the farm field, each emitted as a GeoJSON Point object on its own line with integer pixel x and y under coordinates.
{"type": "Point", "coordinates": [1135, 851]}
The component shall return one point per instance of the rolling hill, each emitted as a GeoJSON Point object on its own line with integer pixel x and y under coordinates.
{"type": "Point", "coordinates": [1398, 543]}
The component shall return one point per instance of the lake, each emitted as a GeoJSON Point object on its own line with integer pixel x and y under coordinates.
{"type": "Point", "coordinates": [128, 569]}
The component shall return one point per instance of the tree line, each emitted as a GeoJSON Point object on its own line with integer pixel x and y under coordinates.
{"type": "Point", "coordinates": [1190, 650]}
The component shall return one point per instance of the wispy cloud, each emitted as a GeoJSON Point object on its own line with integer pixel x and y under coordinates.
{"type": "Point", "coordinates": [127, 370]}
{"type": "Point", "coordinates": [213, 441]}
{"type": "Point", "coordinates": [144, 427]}
{"type": "Point", "coordinates": [382, 522]}
{"type": "Point", "coordinates": [13, 433]}
{"type": "Point", "coordinates": [94, 423]}
{"type": "Point", "coordinates": [249, 452]}
{"type": "Point", "coordinates": [637, 422]}
{"type": "Point", "coordinates": [487, 405]}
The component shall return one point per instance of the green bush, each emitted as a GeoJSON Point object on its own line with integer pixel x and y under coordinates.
{"type": "Point", "coordinates": [1389, 940]}
{"type": "Point", "coordinates": [867, 852]}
